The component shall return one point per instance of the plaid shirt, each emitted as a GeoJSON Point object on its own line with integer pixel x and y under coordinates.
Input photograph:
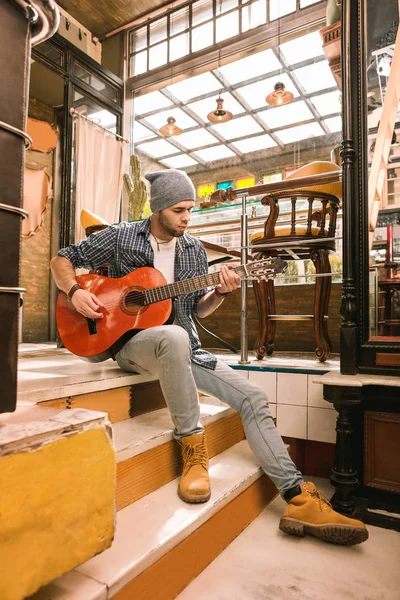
{"type": "Point", "coordinates": [126, 247]}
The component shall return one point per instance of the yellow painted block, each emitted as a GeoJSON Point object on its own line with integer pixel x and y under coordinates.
{"type": "Point", "coordinates": [56, 508]}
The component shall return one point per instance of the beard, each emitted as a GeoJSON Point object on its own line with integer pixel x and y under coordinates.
{"type": "Point", "coordinates": [168, 227]}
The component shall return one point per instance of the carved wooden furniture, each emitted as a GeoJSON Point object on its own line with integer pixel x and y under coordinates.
{"type": "Point", "coordinates": [366, 470]}
{"type": "Point", "coordinates": [309, 238]}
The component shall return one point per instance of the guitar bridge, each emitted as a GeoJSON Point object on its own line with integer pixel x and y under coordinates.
{"type": "Point", "coordinates": [92, 326]}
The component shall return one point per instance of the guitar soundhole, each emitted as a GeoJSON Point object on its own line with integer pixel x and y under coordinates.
{"type": "Point", "coordinates": [133, 301]}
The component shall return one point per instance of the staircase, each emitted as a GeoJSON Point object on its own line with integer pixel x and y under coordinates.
{"type": "Point", "coordinates": [161, 543]}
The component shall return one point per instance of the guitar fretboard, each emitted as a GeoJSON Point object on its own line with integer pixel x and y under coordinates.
{"type": "Point", "coordinates": [171, 290]}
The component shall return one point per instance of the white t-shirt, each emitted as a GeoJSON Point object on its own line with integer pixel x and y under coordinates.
{"type": "Point", "coordinates": [164, 257]}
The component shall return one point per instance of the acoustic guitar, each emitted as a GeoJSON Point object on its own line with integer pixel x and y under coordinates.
{"type": "Point", "coordinates": [140, 300]}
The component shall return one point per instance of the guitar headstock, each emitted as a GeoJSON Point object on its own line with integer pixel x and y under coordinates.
{"type": "Point", "coordinates": [268, 268]}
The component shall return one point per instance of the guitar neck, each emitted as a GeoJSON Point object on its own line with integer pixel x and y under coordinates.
{"type": "Point", "coordinates": [187, 286]}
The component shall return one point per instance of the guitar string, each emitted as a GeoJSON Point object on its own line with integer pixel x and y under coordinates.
{"type": "Point", "coordinates": [137, 297]}
{"type": "Point", "coordinates": [160, 289]}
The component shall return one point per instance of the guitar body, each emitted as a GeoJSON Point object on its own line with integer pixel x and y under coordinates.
{"type": "Point", "coordinates": [93, 337]}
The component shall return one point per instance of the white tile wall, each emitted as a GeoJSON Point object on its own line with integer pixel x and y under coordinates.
{"type": "Point", "coordinates": [265, 380]}
{"type": "Point", "coordinates": [315, 394]}
{"type": "Point", "coordinates": [321, 424]}
{"type": "Point", "coordinates": [292, 389]}
{"type": "Point", "coordinates": [272, 408]}
{"type": "Point", "coordinates": [296, 403]}
{"type": "Point", "coordinates": [292, 421]}
{"type": "Point", "coordinates": [243, 373]}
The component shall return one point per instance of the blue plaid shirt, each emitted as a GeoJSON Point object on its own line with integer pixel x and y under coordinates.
{"type": "Point", "coordinates": [126, 247]}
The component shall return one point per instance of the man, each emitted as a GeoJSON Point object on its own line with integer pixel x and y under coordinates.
{"type": "Point", "coordinates": [173, 353]}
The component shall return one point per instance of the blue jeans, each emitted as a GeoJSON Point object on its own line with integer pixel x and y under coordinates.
{"type": "Point", "coordinates": [165, 352]}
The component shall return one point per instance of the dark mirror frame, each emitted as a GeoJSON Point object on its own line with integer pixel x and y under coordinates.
{"type": "Point", "coordinates": [357, 354]}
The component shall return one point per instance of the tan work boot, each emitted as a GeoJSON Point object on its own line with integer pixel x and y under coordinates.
{"type": "Point", "coordinates": [194, 486]}
{"type": "Point", "coordinates": [310, 512]}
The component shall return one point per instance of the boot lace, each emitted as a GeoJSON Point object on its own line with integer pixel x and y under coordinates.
{"type": "Point", "coordinates": [194, 455]}
{"type": "Point", "coordinates": [320, 498]}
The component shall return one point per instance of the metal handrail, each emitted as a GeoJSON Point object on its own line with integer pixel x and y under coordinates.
{"type": "Point", "coordinates": [44, 16]}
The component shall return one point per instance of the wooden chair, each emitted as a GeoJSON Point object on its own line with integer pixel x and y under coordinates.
{"type": "Point", "coordinates": [313, 215]}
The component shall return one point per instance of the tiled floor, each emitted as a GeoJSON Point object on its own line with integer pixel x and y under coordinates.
{"type": "Point", "coordinates": [265, 564]}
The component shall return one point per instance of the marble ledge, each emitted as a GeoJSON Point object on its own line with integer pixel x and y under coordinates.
{"type": "Point", "coordinates": [18, 434]}
{"type": "Point", "coordinates": [359, 380]}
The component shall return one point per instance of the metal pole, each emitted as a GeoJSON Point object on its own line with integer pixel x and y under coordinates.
{"type": "Point", "coordinates": [244, 285]}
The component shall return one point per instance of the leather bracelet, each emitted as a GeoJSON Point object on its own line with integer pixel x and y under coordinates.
{"type": "Point", "coordinates": [72, 291]}
{"type": "Point", "coordinates": [220, 294]}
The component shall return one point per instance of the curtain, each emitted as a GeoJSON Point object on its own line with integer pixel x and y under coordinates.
{"type": "Point", "coordinates": [98, 163]}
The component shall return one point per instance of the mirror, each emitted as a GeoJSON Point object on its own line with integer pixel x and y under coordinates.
{"type": "Point", "coordinates": [383, 151]}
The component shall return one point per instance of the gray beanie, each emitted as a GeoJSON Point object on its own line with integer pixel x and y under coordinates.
{"type": "Point", "coordinates": [168, 188]}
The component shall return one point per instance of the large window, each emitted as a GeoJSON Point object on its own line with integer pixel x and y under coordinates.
{"type": "Point", "coordinates": [198, 25]}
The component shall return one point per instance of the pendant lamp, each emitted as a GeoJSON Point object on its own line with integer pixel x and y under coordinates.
{"type": "Point", "coordinates": [219, 115]}
{"type": "Point", "coordinates": [279, 96]}
{"type": "Point", "coordinates": [170, 128]}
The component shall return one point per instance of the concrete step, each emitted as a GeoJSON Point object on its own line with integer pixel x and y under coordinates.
{"type": "Point", "coordinates": [161, 543]}
{"type": "Point", "coordinates": [58, 379]}
{"type": "Point", "coordinates": [148, 456]}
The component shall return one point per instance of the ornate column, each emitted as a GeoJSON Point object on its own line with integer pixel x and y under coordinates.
{"type": "Point", "coordinates": [344, 477]}
{"type": "Point", "coordinates": [349, 328]}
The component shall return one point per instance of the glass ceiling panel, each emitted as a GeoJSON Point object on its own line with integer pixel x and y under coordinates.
{"type": "Point", "coordinates": [227, 26]}
{"type": "Point", "coordinates": [261, 142]}
{"type": "Point", "coordinates": [202, 11]}
{"type": "Point", "coordinates": [255, 93]}
{"type": "Point", "coordinates": [141, 133]}
{"type": "Point", "coordinates": [196, 139]}
{"type": "Point", "coordinates": [254, 14]}
{"type": "Point", "coordinates": [277, 8]}
{"type": "Point", "coordinates": [215, 153]}
{"type": "Point", "coordinates": [327, 104]}
{"type": "Point", "coordinates": [285, 115]}
{"type": "Point", "coordinates": [203, 107]}
{"type": "Point", "coordinates": [182, 119]}
{"type": "Point", "coordinates": [179, 46]}
{"type": "Point", "coordinates": [334, 124]}
{"type": "Point", "coordinates": [179, 20]}
{"type": "Point", "coordinates": [158, 55]}
{"type": "Point", "coordinates": [302, 48]}
{"type": "Point", "coordinates": [225, 5]}
{"type": "Point", "coordinates": [195, 86]}
{"type": "Point", "coordinates": [304, 3]}
{"type": "Point", "coordinates": [301, 132]}
{"type": "Point", "coordinates": [202, 36]}
{"type": "Point", "coordinates": [149, 102]}
{"type": "Point", "coordinates": [180, 161]}
{"type": "Point", "coordinates": [158, 148]}
{"type": "Point", "coordinates": [251, 66]}
{"type": "Point", "coordinates": [237, 127]}
{"type": "Point", "coordinates": [315, 77]}
{"type": "Point", "coordinates": [158, 30]}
